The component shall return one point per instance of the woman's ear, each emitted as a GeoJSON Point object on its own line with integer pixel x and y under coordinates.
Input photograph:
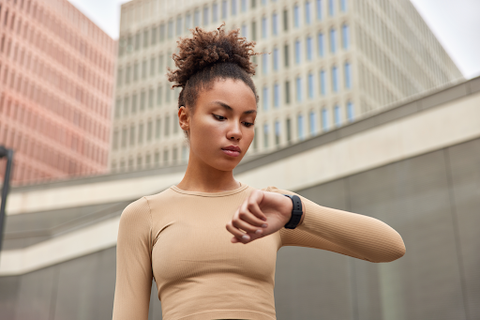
{"type": "Point", "coordinates": [184, 118]}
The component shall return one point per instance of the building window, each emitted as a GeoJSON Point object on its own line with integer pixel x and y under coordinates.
{"type": "Point", "coordinates": [297, 51]}
{"type": "Point", "coordinates": [308, 19]}
{"type": "Point", "coordinates": [285, 20]}
{"type": "Point", "coordinates": [127, 74]}
{"type": "Point", "coordinates": [152, 66]}
{"type": "Point", "coordinates": [156, 158]}
{"type": "Point", "coordinates": [205, 16]}
{"type": "Point", "coordinates": [167, 126]}
{"type": "Point", "coordinates": [160, 63]}
{"type": "Point", "coordinates": [234, 7]}
{"type": "Point", "coordinates": [348, 81]}
{"type": "Point", "coordinates": [135, 71]}
{"type": "Point", "coordinates": [264, 27]}
{"type": "Point", "coordinates": [345, 36]}
{"type": "Point", "coordinates": [244, 5]}
{"type": "Point", "coordinates": [264, 63]}
{"type": "Point", "coordinates": [145, 38]}
{"type": "Point", "coordinates": [137, 41]}
{"type": "Point", "coordinates": [277, 133]}
{"type": "Point", "coordinates": [275, 59]}
{"type": "Point", "coordinates": [336, 115]}
{"type": "Point", "coordinates": [139, 161]}
{"type": "Point", "coordinates": [310, 86]}
{"type": "Point", "coordinates": [254, 30]}
{"type": "Point", "coordinates": [285, 55]}
{"type": "Point", "coordinates": [288, 129]}
{"type": "Point", "coordinates": [158, 128]}
{"type": "Point", "coordinates": [296, 16]}
{"type": "Point", "coordinates": [119, 77]}
{"type": "Point", "coordinates": [115, 139]}
{"type": "Point", "coordinates": [313, 123]}
{"type": "Point", "coordinates": [154, 36]}
{"type": "Point", "coordinates": [149, 130]}
{"type": "Point", "coordinates": [144, 69]}
{"type": "Point", "coordinates": [265, 136]}
{"type": "Point", "coordinates": [276, 95]}
{"type": "Point", "coordinates": [321, 46]}
{"type": "Point", "coordinates": [196, 18]}
{"type": "Point", "coordinates": [162, 32]}
{"type": "Point", "coordinates": [349, 111]}
{"type": "Point", "coordinates": [126, 105]}
{"type": "Point", "coordinates": [333, 43]}
{"type": "Point", "coordinates": [150, 98]}
{"type": "Point", "coordinates": [255, 139]}
{"type": "Point", "coordinates": [274, 24]}
{"type": "Point", "coordinates": [265, 98]}
{"type": "Point", "coordinates": [215, 12]}
{"type": "Point", "coordinates": [132, 135]}
{"type": "Point", "coordinates": [118, 106]}
{"type": "Point", "coordinates": [140, 133]}
{"type": "Point", "coordinates": [244, 30]}
{"type": "Point", "coordinates": [319, 9]}
{"type": "Point", "coordinates": [287, 92]}
{"type": "Point", "coordinates": [331, 8]}
{"type": "Point", "coordinates": [298, 88]}
{"type": "Point", "coordinates": [323, 82]}
{"type": "Point", "coordinates": [170, 29]}
{"type": "Point", "coordinates": [159, 95]}
{"type": "Point", "coordinates": [334, 79]}
{"type": "Point", "coordinates": [179, 25]}
{"type": "Point", "coordinates": [134, 102]}
{"type": "Point", "coordinates": [142, 100]}
{"type": "Point", "coordinates": [165, 156]}
{"type": "Point", "coordinates": [300, 125]}
{"type": "Point", "coordinates": [343, 5]}
{"type": "Point", "coordinates": [224, 9]}
{"type": "Point", "coordinates": [124, 137]}
{"type": "Point", "coordinates": [309, 49]}
{"type": "Point", "coordinates": [324, 119]}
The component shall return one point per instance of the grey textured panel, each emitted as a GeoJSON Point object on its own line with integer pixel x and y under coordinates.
{"type": "Point", "coordinates": [36, 290]}
{"type": "Point", "coordinates": [444, 96]}
{"type": "Point", "coordinates": [464, 162]}
{"type": "Point", "coordinates": [81, 291]}
{"type": "Point", "coordinates": [102, 298]}
{"type": "Point", "coordinates": [8, 296]}
{"type": "Point", "coordinates": [331, 194]}
{"type": "Point", "coordinates": [412, 196]}
{"type": "Point", "coordinates": [312, 284]}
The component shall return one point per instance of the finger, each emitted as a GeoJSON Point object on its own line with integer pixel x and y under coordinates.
{"type": "Point", "coordinates": [241, 236]}
{"type": "Point", "coordinates": [248, 216]}
{"type": "Point", "coordinates": [245, 226]}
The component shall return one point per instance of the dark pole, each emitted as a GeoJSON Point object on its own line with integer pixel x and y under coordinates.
{"type": "Point", "coordinates": [4, 152]}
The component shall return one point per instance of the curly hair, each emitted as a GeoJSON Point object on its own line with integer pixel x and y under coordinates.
{"type": "Point", "coordinates": [209, 56]}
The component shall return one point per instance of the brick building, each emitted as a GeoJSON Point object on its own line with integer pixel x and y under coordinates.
{"type": "Point", "coordinates": [56, 87]}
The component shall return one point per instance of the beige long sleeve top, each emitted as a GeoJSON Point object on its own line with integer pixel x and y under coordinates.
{"type": "Point", "coordinates": [179, 238]}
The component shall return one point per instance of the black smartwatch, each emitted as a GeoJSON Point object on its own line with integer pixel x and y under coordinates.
{"type": "Point", "coordinates": [296, 212]}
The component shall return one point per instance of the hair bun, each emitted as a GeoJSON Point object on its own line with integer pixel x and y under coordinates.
{"type": "Point", "coordinates": [208, 48]}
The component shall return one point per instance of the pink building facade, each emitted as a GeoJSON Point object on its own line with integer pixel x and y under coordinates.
{"type": "Point", "coordinates": [56, 90]}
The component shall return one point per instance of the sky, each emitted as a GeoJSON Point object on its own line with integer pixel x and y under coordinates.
{"type": "Point", "coordinates": [455, 23]}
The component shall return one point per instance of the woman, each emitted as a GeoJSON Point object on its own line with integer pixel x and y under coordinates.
{"type": "Point", "coordinates": [210, 242]}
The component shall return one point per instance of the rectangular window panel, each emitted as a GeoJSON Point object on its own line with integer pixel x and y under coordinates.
{"type": "Point", "coordinates": [296, 16]}
{"type": "Point", "coordinates": [264, 63]}
{"type": "Point", "coordinates": [348, 81]}
{"type": "Point", "coordinates": [275, 59]}
{"type": "Point", "coordinates": [196, 18]}
{"type": "Point", "coordinates": [254, 30]}
{"type": "Point", "coordinates": [288, 129]}
{"type": "Point", "coordinates": [224, 9]}
{"type": "Point", "coordinates": [145, 38]}
{"type": "Point", "coordinates": [323, 82]}
{"type": "Point", "coordinates": [244, 30]}
{"type": "Point", "coordinates": [277, 133]}
{"type": "Point", "coordinates": [126, 105]}
{"type": "Point", "coordinates": [149, 130]}
{"type": "Point", "coordinates": [154, 36]}
{"type": "Point", "coordinates": [234, 7]}
{"type": "Point", "coordinates": [179, 25]}
{"type": "Point", "coordinates": [310, 86]}
{"type": "Point", "coordinates": [215, 12]}
{"type": "Point", "coordinates": [160, 63]}
{"type": "Point", "coordinates": [265, 98]}
{"type": "Point", "coordinates": [152, 66]}
{"type": "Point", "coordinates": [170, 29]}
{"type": "Point", "coordinates": [334, 79]}
{"type": "Point", "coordinates": [350, 111]}
{"type": "Point", "coordinates": [298, 89]}
{"type": "Point", "coordinates": [324, 119]}
{"type": "Point", "coordinates": [264, 27]}
{"type": "Point", "coordinates": [244, 5]}
{"type": "Point", "coordinates": [285, 55]}
{"type": "Point", "coordinates": [321, 45]}
{"type": "Point", "coordinates": [331, 8]}
{"type": "Point", "coordinates": [287, 92]}
{"type": "Point", "coordinates": [274, 24]}
{"type": "Point", "coordinates": [132, 135]}
{"type": "Point", "coordinates": [134, 102]}
{"type": "Point", "coordinates": [265, 135]}
{"type": "Point", "coordinates": [345, 36]}
{"type": "Point", "coordinates": [205, 16]}
{"type": "Point", "coordinates": [319, 9]}
{"type": "Point", "coordinates": [162, 32]}
{"type": "Point", "coordinates": [297, 52]}
{"type": "Point", "coordinates": [276, 95]}
{"type": "Point", "coordinates": [333, 43]}
{"type": "Point", "coordinates": [285, 20]}
{"type": "Point", "coordinates": [308, 19]}
{"type": "Point", "coordinates": [300, 127]}
{"type": "Point", "coordinates": [337, 115]}
{"type": "Point", "coordinates": [313, 123]}
{"type": "Point", "coordinates": [309, 49]}
{"type": "Point", "coordinates": [343, 5]}
{"type": "Point", "coordinates": [144, 69]}
{"type": "Point", "coordinates": [159, 95]}
{"type": "Point", "coordinates": [150, 98]}
{"type": "Point", "coordinates": [158, 129]}
{"type": "Point", "coordinates": [142, 100]}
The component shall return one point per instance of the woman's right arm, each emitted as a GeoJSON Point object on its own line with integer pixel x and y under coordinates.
{"type": "Point", "coordinates": [134, 263]}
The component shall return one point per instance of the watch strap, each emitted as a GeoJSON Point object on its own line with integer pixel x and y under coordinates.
{"type": "Point", "coordinates": [297, 212]}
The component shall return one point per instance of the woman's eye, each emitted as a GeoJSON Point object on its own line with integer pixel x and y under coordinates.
{"type": "Point", "coordinates": [248, 124]}
{"type": "Point", "coordinates": [218, 117]}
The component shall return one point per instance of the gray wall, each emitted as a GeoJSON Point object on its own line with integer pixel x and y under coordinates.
{"type": "Point", "coordinates": [433, 200]}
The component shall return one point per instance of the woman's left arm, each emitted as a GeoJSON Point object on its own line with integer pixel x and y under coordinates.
{"type": "Point", "coordinates": [321, 227]}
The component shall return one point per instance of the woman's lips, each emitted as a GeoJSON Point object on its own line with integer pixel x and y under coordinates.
{"type": "Point", "coordinates": [231, 153]}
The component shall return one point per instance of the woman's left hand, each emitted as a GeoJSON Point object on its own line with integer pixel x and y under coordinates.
{"type": "Point", "coordinates": [261, 214]}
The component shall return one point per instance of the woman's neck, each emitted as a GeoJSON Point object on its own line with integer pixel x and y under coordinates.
{"type": "Point", "coordinates": [202, 179]}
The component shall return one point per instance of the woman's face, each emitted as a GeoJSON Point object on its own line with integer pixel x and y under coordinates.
{"type": "Point", "coordinates": [221, 126]}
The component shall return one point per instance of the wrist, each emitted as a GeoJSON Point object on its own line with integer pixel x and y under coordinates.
{"type": "Point", "coordinates": [296, 213]}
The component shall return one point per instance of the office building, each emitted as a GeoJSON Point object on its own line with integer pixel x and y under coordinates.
{"type": "Point", "coordinates": [56, 90]}
{"type": "Point", "coordinates": [324, 63]}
